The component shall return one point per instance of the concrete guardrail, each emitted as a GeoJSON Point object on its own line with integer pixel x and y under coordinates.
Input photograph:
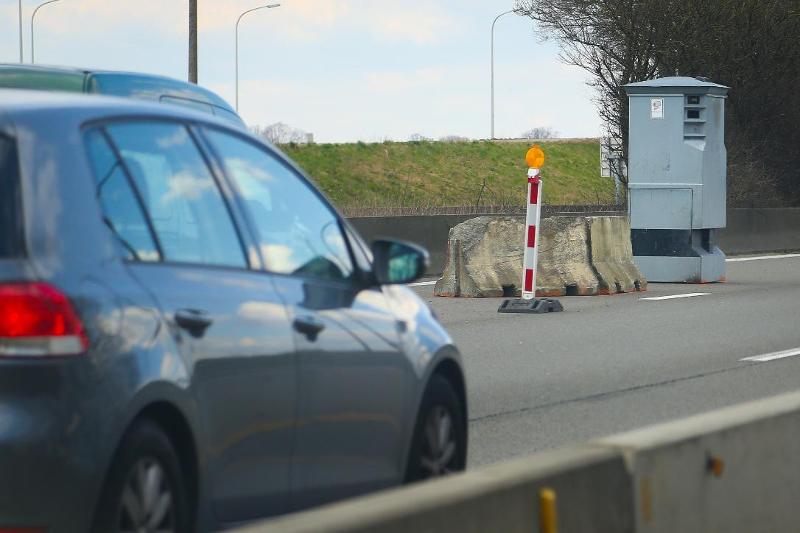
{"type": "Point", "coordinates": [749, 230]}
{"type": "Point", "coordinates": [732, 470]}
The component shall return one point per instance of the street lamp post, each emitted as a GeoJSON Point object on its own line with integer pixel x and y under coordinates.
{"type": "Point", "coordinates": [493, 23]}
{"type": "Point", "coordinates": [269, 6]}
{"type": "Point", "coordinates": [33, 19]}
{"type": "Point", "coordinates": [192, 41]}
{"type": "Point", "coordinates": [20, 32]}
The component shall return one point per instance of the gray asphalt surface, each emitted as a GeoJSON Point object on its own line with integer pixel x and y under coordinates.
{"type": "Point", "coordinates": [613, 363]}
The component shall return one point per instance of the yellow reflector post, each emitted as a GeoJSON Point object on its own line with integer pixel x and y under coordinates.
{"type": "Point", "coordinates": [548, 516]}
{"type": "Point", "coordinates": [535, 157]}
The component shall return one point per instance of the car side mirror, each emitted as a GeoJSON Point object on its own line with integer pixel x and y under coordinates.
{"type": "Point", "coordinates": [397, 262]}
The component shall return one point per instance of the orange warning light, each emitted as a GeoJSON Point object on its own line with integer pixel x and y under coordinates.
{"type": "Point", "coordinates": [535, 157]}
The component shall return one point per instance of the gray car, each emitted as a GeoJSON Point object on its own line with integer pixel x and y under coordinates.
{"type": "Point", "coordinates": [191, 336]}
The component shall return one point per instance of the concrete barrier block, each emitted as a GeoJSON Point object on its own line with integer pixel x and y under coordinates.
{"type": "Point", "coordinates": [593, 494]}
{"type": "Point", "coordinates": [484, 258]}
{"type": "Point", "coordinates": [612, 256]}
{"type": "Point", "coordinates": [564, 267]}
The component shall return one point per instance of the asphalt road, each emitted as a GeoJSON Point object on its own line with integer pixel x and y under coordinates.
{"type": "Point", "coordinates": [613, 363]}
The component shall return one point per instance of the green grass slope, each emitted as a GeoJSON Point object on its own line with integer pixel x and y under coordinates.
{"type": "Point", "coordinates": [425, 174]}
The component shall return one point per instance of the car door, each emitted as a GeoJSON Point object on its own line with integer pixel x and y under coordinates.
{"type": "Point", "coordinates": [352, 372]}
{"type": "Point", "coordinates": [228, 320]}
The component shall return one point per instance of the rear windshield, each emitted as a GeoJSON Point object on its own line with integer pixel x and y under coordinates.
{"type": "Point", "coordinates": [10, 201]}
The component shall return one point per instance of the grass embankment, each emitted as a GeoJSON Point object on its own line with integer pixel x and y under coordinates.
{"type": "Point", "coordinates": [426, 174]}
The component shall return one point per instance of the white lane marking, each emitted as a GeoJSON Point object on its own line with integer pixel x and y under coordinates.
{"type": "Point", "coordinates": [760, 257]}
{"type": "Point", "coordinates": [674, 296]}
{"type": "Point", "coordinates": [422, 284]}
{"type": "Point", "coordinates": [772, 356]}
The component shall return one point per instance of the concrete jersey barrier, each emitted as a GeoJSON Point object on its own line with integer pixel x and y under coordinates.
{"type": "Point", "coordinates": [749, 230]}
{"type": "Point", "coordinates": [612, 256]}
{"type": "Point", "coordinates": [578, 256]}
{"type": "Point", "coordinates": [734, 470]}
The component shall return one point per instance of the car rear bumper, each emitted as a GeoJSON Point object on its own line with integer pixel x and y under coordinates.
{"type": "Point", "coordinates": [49, 465]}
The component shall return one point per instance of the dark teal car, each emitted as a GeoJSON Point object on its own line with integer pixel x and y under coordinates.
{"type": "Point", "coordinates": [124, 84]}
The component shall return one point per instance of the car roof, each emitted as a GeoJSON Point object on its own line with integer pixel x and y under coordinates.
{"type": "Point", "coordinates": [21, 106]}
{"type": "Point", "coordinates": [120, 83]}
{"type": "Point", "coordinates": [62, 114]}
{"type": "Point", "coordinates": [30, 76]}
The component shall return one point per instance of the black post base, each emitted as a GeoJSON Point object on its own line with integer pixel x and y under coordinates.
{"type": "Point", "coordinates": [536, 306]}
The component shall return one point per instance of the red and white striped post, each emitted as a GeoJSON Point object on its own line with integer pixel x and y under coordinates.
{"type": "Point", "coordinates": [532, 218]}
{"type": "Point", "coordinates": [533, 215]}
{"type": "Point", "coordinates": [528, 303]}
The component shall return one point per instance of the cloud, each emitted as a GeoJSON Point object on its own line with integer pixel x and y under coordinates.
{"type": "Point", "coordinates": [400, 81]}
{"type": "Point", "coordinates": [308, 21]}
{"type": "Point", "coordinates": [265, 312]}
{"type": "Point", "coordinates": [423, 24]}
{"type": "Point", "coordinates": [298, 20]}
{"type": "Point", "coordinates": [295, 21]}
{"type": "Point", "coordinates": [185, 186]}
{"type": "Point", "coordinates": [119, 15]}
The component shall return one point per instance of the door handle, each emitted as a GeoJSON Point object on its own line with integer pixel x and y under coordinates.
{"type": "Point", "coordinates": [194, 321]}
{"type": "Point", "coordinates": [308, 326]}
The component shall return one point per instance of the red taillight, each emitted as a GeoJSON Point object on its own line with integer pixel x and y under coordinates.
{"type": "Point", "coordinates": [36, 319]}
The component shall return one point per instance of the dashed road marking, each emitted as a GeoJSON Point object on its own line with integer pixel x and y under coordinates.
{"type": "Point", "coordinates": [675, 296]}
{"type": "Point", "coordinates": [760, 257]}
{"type": "Point", "coordinates": [772, 356]}
{"type": "Point", "coordinates": [422, 283]}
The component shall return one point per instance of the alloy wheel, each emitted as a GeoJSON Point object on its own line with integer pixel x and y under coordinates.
{"type": "Point", "coordinates": [439, 455]}
{"type": "Point", "coordinates": [147, 500]}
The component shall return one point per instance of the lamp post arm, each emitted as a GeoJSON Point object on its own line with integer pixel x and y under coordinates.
{"type": "Point", "coordinates": [33, 19]}
{"type": "Point", "coordinates": [492, 61]}
{"type": "Point", "coordinates": [21, 58]}
{"type": "Point", "coordinates": [238, 20]}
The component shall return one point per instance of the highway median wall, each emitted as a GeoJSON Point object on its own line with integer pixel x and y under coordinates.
{"type": "Point", "coordinates": [732, 470]}
{"type": "Point", "coordinates": [749, 230]}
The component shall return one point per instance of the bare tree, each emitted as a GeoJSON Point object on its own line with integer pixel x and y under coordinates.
{"type": "Point", "coordinates": [749, 45]}
{"type": "Point", "coordinates": [540, 133]}
{"type": "Point", "coordinates": [610, 39]}
{"type": "Point", "coordinates": [280, 133]}
{"type": "Point", "coordinates": [454, 139]}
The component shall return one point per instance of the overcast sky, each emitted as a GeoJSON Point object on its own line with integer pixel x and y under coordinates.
{"type": "Point", "coordinates": [345, 70]}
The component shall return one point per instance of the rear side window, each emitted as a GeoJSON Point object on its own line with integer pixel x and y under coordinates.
{"type": "Point", "coordinates": [185, 207]}
{"type": "Point", "coordinates": [122, 212]}
{"type": "Point", "coordinates": [11, 237]}
{"type": "Point", "coordinates": [298, 234]}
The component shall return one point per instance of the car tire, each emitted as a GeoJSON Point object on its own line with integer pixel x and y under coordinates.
{"type": "Point", "coordinates": [439, 445]}
{"type": "Point", "coordinates": [145, 488]}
